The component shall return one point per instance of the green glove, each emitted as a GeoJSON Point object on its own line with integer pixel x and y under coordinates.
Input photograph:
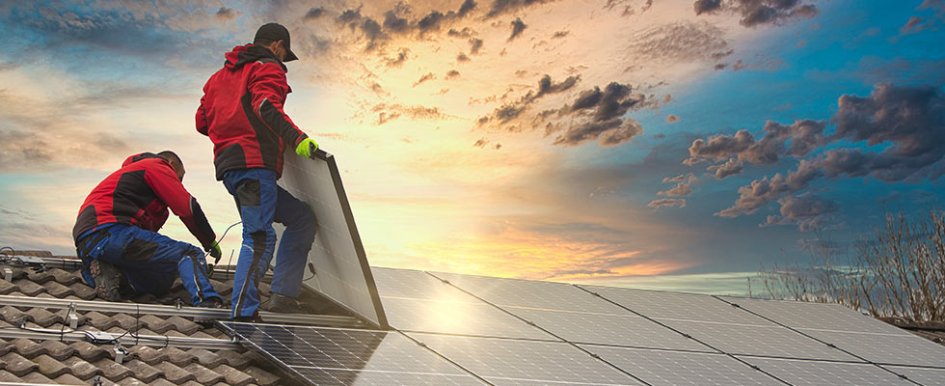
{"type": "Point", "coordinates": [215, 250]}
{"type": "Point", "coordinates": [307, 148]}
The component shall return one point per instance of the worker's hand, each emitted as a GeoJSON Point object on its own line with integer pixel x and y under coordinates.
{"type": "Point", "coordinates": [215, 250]}
{"type": "Point", "coordinates": [307, 148]}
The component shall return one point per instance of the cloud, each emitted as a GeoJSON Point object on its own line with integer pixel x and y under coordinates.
{"type": "Point", "coordinates": [684, 41]}
{"type": "Point", "coordinates": [424, 78]}
{"type": "Point", "coordinates": [501, 7]}
{"type": "Point", "coordinates": [389, 112]}
{"type": "Point", "coordinates": [808, 212]}
{"type": "Point", "coordinates": [560, 34]}
{"type": "Point", "coordinates": [398, 60]}
{"type": "Point", "coordinates": [706, 6]}
{"type": "Point", "coordinates": [452, 74]}
{"type": "Point", "coordinates": [518, 26]}
{"type": "Point", "coordinates": [474, 46]}
{"type": "Point", "coordinates": [730, 168]}
{"type": "Point", "coordinates": [667, 202]}
{"type": "Point", "coordinates": [314, 13]}
{"type": "Point", "coordinates": [671, 118]}
{"type": "Point", "coordinates": [683, 186]}
{"type": "Point", "coordinates": [803, 135]}
{"type": "Point", "coordinates": [758, 12]}
{"type": "Point", "coordinates": [226, 14]}
{"type": "Point", "coordinates": [546, 86]}
{"type": "Point", "coordinates": [462, 58]}
{"type": "Point", "coordinates": [914, 25]}
{"type": "Point", "coordinates": [396, 23]}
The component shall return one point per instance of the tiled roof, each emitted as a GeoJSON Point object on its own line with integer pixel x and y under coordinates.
{"type": "Point", "coordinates": [79, 362]}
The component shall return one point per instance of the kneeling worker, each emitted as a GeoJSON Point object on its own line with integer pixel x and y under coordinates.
{"type": "Point", "coordinates": [116, 233]}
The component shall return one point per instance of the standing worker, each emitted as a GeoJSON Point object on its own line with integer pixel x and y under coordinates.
{"type": "Point", "coordinates": [241, 111]}
{"type": "Point", "coordinates": [116, 233]}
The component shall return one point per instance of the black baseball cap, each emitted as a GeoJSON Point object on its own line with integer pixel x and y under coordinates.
{"type": "Point", "coordinates": [275, 32]}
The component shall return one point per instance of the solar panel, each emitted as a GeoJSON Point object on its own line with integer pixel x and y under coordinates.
{"type": "Point", "coordinates": [412, 284]}
{"type": "Point", "coordinates": [517, 362]}
{"type": "Point", "coordinates": [341, 266]}
{"type": "Point", "coordinates": [532, 294]}
{"type": "Point", "coordinates": [813, 373]}
{"type": "Point", "coordinates": [658, 367]}
{"type": "Point", "coordinates": [888, 349]}
{"type": "Point", "coordinates": [320, 355]}
{"type": "Point", "coordinates": [759, 340]}
{"type": "Point", "coordinates": [815, 315]}
{"type": "Point", "coordinates": [680, 306]}
{"type": "Point", "coordinates": [621, 330]}
{"type": "Point", "coordinates": [924, 376]}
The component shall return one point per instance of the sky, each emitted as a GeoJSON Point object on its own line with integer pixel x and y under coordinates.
{"type": "Point", "coordinates": [680, 144]}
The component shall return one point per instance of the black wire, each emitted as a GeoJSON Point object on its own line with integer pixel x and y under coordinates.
{"type": "Point", "coordinates": [224, 234]}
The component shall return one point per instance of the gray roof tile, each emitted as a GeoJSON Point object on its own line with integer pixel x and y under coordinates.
{"type": "Point", "coordinates": [81, 369]}
{"type": "Point", "coordinates": [175, 374]}
{"type": "Point", "coordinates": [143, 371]}
{"type": "Point", "coordinates": [17, 364]}
{"type": "Point", "coordinates": [49, 366]}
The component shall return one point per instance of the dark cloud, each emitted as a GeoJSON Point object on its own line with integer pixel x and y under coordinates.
{"type": "Point", "coordinates": [609, 133]}
{"type": "Point", "coordinates": [430, 22]}
{"type": "Point", "coordinates": [672, 118]}
{"type": "Point", "coordinates": [474, 46]}
{"type": "Point", "coordinates": [226, 14]}
{"type": "Point", "coordinates": [628, 6]}
{"type": "Point", "coordinates": [730, 168]}
{"type": "Point", "coordinates": [518, 26]}
{"type": "Point", "coordinates": [482, 142]}
{"type": "Point", "coordinates": [462, 58]}
{"type": "Point", "coordinates": [424, 78]}
{"type": "Point", "coordinates": [500, 7]}
{"type": "Point", "coordinates": [397, 22]}
{"type": "Point", "coordinates": [314, 13]}
{"type": "Point", "coordinates": [667, 202]}
{"type": "Point", "coordinates": [681, 42]}
{"type": "Point", "coordinates": [398, 60]}
{"type": "Point", "coordinates": [808, 212]}
{"type": "Point", "coordinates": [546, 86]}
{"type": "Point", "coordinates": [452, 74]}
{"type": "Point", "coordinates": [803, 135]}
{"type": "Point", "coordinates": [467, 7]}
{"type": "Point", "coordinates": [464, 33]}
{"type": "Point", "coordinates": [683, 185]}
{"type": "Point", "coordinates": [560, 34]}
{"type": "Point", "coordinates": [387, 113]}
{"type": "Point", "coordinates": [394, 23]}
{"type": "Point", "coordinates": [758, 12]}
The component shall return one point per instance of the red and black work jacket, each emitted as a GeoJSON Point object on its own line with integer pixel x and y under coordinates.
{"type": "Point", "coordinates": [241, 111]}
{"type": "Point", "coordinates": [139, 194]}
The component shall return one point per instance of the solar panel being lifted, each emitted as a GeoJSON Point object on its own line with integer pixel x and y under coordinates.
{"type": "Point", "coordinates": [342, 270]}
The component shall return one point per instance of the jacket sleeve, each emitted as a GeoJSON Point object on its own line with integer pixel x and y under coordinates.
{"type": "Point", "coordinates": [167, 187]}
{"type": "Point", "coordinates": [269, 87]}
{"type": "Point", "coordinates": [202, 125]}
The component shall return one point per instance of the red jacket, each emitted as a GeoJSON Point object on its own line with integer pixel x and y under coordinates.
{"type": "Point", "coordinates": [139, 194]}
{"type": "Point", "coordinates": [241, 111]}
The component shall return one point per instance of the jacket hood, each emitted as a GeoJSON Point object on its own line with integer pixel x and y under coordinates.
{"type": "Point", "coordinates": [240, 55]}
{"type": "Point", "coordinates": [138, 157]}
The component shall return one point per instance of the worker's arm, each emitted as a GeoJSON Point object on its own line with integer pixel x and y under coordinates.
{"type": "Point", "coordinates": [202, 125]}
{"type": "Point", "coordinates": [269, 88]}
{"type": "Point", "coordinates": [163, 181]}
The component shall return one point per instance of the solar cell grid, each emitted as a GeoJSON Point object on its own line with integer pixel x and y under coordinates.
{"type": "Point", "coordinates": [533, 294]}
{"type": "Point", "coordinates": [758, 340]}
{"type": "Point", "coordinates": [624, 330]}
{"type": "Point", "coordinates": [815, 316]}
{"type": "Point", "coordinates": [682, 368]}
{"type": "Point", "coordinates": [450, 317]}
{"type": "Point", "coordinates": [413, 284]}
{"type": "Point", "coordinates": [680, 306]}
{"type": "Point", "coordinates": [890, 349]}
{"type": "Point", "coordinates": [335, 355]}
{"type": "Point", "coordinates": [812, 373]}
{"type": "Point", "coordinates": [925, 376]}
{"type": "Point", "coordinates": [514, 362]}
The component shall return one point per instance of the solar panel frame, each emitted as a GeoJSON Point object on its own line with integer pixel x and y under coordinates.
{"type": "Point", "coordinates": [922, 375]}
{"type": "Point", "coordinates": [335, 354]}
{"type": "Point", "coordinates": [516, 362]}
{"type": "Point", "coordinates": [506, 292]}
{"type": "Point", "coordinates": [665, 367]}
{"type": "Point", "coordinates": [910, 350]}
{"type": "Point", "coordinates": [817, 373]}
{"type": "Point", "coordinates": [677, 306]}
{"type": "Point", "coordinates": [824, 316]}
{"type": "Point", "coordinates": [775, 341]}
{"type": "Point", "coordinates": [342, 270]}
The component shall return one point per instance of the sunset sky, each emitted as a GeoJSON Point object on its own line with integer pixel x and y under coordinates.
{"type": "Point", "coordinates": [591, 141]}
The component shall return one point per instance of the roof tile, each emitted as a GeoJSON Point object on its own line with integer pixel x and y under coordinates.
{"type": "Point", "coordinates": [207, 358]}
{"type": "Point", "coordinates": [28, 348]}
{"type": "Point", "coordinates": [235, 359]}
{"type": "Point", "coordinates": [88, 351]}
{"type": "Point", "coordinates": [81, 368]}
{"type": "Point", "coordinates": [5, 347]}
{"type": "Point", "coordinates": [113, 371]}
{"type": "Point", "coordinates": [83, 291]}
{"type": "Point", "coordinates": [6, 376]}
{"type": "Point", "coordinates": [64, 277]}
{"type": "Point", "coordinates": [98, 320]}
{"type": "Point", "coordinates": [49, 366]}
{"type": "Point", "coordinates": [175, 374]}
{"type": "Point", "coordinates": [233, 376]}
{"type": "Point", "coordinates": [143, 371]}
{"type": "Point", "coordinates": [204, 375]}
{"type": "Point", "coordinates": [179, 357]}
{"type": "Point", "coordinates": [57, 350]}
{"type": "Point", "coordinates": [17, 364]}
{"type": "Point", "coordinates": [37, 377]}
{"type": "Point", "coordinates": [162, 382]}
{"type": "Point", "coordinates": [29, 288]}
{"type": "Point", "coordinates": [6, 287]}
{"type": "Point", "coordinates": [262, 377]}
{"type": "Point", "coordinates": [185, 326]}
{"type": "Point", "coordinates": [58, 290]}
{"type": "Point", "coordinates": [156, 324]}
{"type": "Point", "coordinates": [68, 379]}
{"type": "Point", "coordinates": [149, 355]}
{"type": "Point", "coordinates": [13, 315]}
{"type": "Point", "coordinates": [42, 317]}
{"type": "Point", "coordinates": [40, 277]}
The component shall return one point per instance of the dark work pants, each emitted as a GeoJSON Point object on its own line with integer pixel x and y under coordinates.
{"type": "Point", "coordinates": [149, 261]}
{"type": "Point", "coordinates": [261, 202]}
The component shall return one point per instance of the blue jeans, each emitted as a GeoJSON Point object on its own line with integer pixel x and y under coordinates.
{"type": "Point", "coordinates": [149, 261]}
{"type": "Point", "coordinates": [261, 202]}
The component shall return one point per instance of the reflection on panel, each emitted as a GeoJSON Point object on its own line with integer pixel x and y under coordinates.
{"type": "Point", "coordinates": [658, 367]}
{"type": "Point", "coordinates": [341, 266]}
{"type": "Point", "coordinates": [815, 316]}
{"type": "Point", "coordinates": [811, 373]}
{"type": "Point", "coordinates": [531, 294]}
{"type": "Point", "coordinates": [928, 377]}
{"type": "Point", "coordinates": [680, 306]}
{"type": "Point", "coordinates": [407, 283]}
{"type": "Point", "coordinates": [889, 349]}
{"type": "Point", "coordinates": [457, 317]}
{"type": "Point", "coordinates": [517, 362]}
{"type": "Point", "coordinates": [346, 356]}
{"type": "Point", "coordinates": [757, 340]}
{"type": "Point", "coordinates": [621, 330]}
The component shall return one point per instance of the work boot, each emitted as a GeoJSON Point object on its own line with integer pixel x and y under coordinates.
{"type": "Point", "coordinates": [107, 280]}
{"type": "Point", "coordinates": [213, 302]}
{"type": "Point", "coordinates": [284, 305]}
{"type": "Point", "coordinates": [248, 319]}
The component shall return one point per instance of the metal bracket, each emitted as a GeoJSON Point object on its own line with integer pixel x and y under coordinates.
{"type": "Point", "coordinates": [120, 353]}
{"type": "Point", "coordinates": [72, 317]}
{"type": "Point", "coordinates": [8, 273]}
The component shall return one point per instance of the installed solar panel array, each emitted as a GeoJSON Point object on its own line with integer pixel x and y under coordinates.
{"type": "Point", "coordinates": [457, 329]}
